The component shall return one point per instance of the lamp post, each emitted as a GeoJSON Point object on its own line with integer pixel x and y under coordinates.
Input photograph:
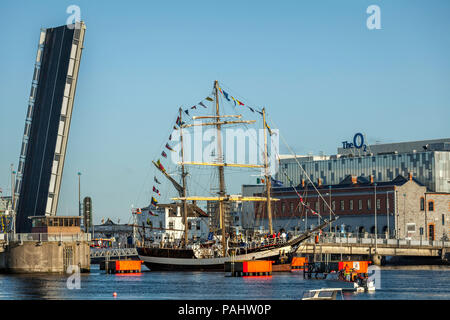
{"type": "Point", "coordinates": [330, 205]}
{"type": "Point", "coordinates": [376, 231]}
{"type": "Point", "coordinates": [13, 173]}
{"type": "Point", "coordinates": [404, 214]}
{"type": "Point", "coordinates": [79, 194]}
{"type": "Point", "coordinates": [387, 214]}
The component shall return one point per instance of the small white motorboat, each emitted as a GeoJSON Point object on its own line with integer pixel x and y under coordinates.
{"type": "Point", "coordinates": [323, 294]}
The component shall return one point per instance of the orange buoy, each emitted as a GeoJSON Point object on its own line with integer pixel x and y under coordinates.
{"type": "Point", "coordinates": [114, 294]}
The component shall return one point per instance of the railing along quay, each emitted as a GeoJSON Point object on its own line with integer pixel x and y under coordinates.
{"type": "Point", "coordinates": [46, 237]}
{"type": "Point", "coordinates": [371, 240]}
{"type": "Point", "coordinates": [113, 252]}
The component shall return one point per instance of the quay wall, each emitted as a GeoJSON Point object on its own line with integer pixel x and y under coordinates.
{"type": "Point", "coordinates": [44, 257]}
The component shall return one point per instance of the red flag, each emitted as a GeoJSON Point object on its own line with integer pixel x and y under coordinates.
{"type": "Point", "coordinates": [169, 147]}
{"type": "Point", "coordinates": [160, 165]}
{"type": "Point", "coordinates": [164, 154]}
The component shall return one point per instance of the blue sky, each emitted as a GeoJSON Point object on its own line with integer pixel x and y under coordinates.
{"type": "Point", "coordinates": [321, 73]}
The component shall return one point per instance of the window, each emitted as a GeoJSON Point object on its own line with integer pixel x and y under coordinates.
{"type": "Point", "coordinates": [198, 224]}
{"type": "Point", "coordinates": [378, 204]}
{"type": "Point", "coordinates": [422, 204]}
{"type": "Point", "coordinates": [431, 205]}
{"type": "Point", "coordinates": [317, 206]}
{"type": "Point", "coordinates": [443, 220]}
{"type": "Point", "coordinates": [292, 207]}
{"type": "Point", "coordinates": [411, 227]}
{"type": "Point", "coordinates": [360, 204]}
{"type": "Point", "coordinates": [369, 204]}
{"type": "Point", "coordinates": [189, 225]}
{"type": "Point", "coordinates": [342, 205]}
{"type": "Point", "coordinates": [171, 225]}
{"type": "Point", "coordinates": [333, 205]}
{"type": "Point", "coordinates": [351, 204]}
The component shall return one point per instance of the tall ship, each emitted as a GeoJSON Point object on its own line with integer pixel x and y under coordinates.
{"type": "Point", "coordinates": [216, 241]}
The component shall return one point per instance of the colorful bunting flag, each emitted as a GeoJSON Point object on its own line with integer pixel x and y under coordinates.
{"type": "Point", "coordinates": [175, 128]}
{"type": "Point", "coordinates": [153, 214]}
{"type": "Point", "coordinates": [156, 191]}
{"type": "Point", "coordinates": [164, 154]}
{"type": "Point", "coordinates": [160, 165]}
{"type": "Point", "coordinates": [169, 147]}
{"type": "Point", "coordinates": [154, 201]}
{"type": "Point", "coordinates": [194, 107]}
{"type": "Point", "coordinates": [178, 122]}
{"type": "Point", "coordinates": [226, 95]}
{"type": "Point", "coordinates": [268, 128]}
{"type": "Point", "coordinates": [251, 109]}
{"type": "Point", "coordinates": [156, 180]}
{"type": "Point", "coordinates": [201, 103]}
{"type": "Point", "coordinates": [186, 111]}
{"type": "Point", "coordinates": [209, 99]}
{"type": "Point", "coordinates": [240, 103]}
{"type": "Point", "coordinates": [170, 137]}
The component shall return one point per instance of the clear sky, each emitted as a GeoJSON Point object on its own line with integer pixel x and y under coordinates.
{"type": "Point", "coordinates": [321, 73]}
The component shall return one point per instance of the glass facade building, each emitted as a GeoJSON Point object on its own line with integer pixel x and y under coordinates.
{"type": "Point", "coordinates": [431, 168]}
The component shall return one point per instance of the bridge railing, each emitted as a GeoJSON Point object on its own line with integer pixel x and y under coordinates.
{"type": "Point", "coordinates": [370, 239]}
{"type": "Point", "coordinates": [47, 237]}
{"type": "Point", "coordinates": [113, 252]}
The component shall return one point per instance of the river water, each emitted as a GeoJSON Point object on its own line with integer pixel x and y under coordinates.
{"type": "Point", "coordinates": [393, 284]}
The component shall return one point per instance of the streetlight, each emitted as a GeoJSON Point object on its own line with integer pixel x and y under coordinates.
{"type": "Point", "coordinates": [79, 194]}
{"type": "Point", "coordinates": [404, 213]}
{"type": "Point", "coordinates": [330, 205]}
{"type": "Point", "coordinates": [376, 232]}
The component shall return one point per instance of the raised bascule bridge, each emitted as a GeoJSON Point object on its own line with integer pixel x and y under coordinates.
{"type": "Point", "coordinates": [41, 241]}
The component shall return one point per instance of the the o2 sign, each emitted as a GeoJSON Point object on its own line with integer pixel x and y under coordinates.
{"type": "Point", "coordinates": [358, 143]}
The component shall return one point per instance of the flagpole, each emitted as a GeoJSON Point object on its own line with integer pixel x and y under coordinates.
{"type": "Point", "coordinates": [183, 176]}
{"type": "Point", "coordinates": [266, 166]}
{"type": "Point", "coordinates": [221, 170]}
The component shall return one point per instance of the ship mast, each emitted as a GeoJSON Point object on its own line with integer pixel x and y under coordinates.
{"type": "Point", "coordinates": [266, 169]}
{"type": "Point", "coordinates": [221, 170]}
{"type": "Point", "coordinates": [183, 176]}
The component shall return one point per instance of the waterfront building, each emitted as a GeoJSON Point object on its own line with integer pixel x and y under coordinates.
{"type": "Point", "coordinates": [166, 223]}
{"type": "Point", "coordinates": [428, 161]}
{"type": "Point", "coordinates": [47, 123]}
{"type": "Point", "coordinates": [402, 208]}
{"type": "Point", "coordinates": [121, 233]}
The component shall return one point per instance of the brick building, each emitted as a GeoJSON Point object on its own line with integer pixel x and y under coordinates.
{"type": "Point", "coordinates": [403, 208]}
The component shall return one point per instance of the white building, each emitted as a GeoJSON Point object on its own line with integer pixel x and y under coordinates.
{"type": "Point", "coordinates": [165, 223]}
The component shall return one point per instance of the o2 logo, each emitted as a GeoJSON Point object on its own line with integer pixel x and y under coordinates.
{"type": "Point", "coordinates": [358, 143]}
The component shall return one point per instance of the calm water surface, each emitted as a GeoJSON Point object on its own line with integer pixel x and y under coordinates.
{"type": "Point", "coordinates": [395, 284]}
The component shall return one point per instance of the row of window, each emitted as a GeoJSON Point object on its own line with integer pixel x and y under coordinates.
{"type": "Point", "coordinates": [342, 206]}
{"type": "Point", "coordinates": [171, 225]}
{"type": "Point", "coordinates": [430, 205]}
